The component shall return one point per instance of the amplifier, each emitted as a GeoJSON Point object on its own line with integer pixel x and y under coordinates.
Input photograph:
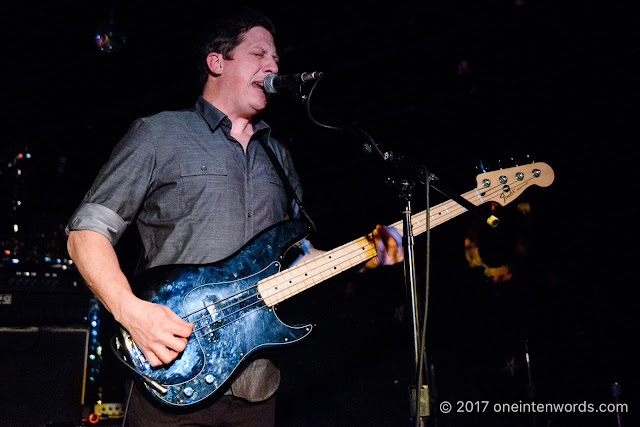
{"type": "Point", "coordinates": [43, 371]}
{"type": "Point", "coordinates": [42, 298]}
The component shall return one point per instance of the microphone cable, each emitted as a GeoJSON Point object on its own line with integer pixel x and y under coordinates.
{"type": "Point", "coordinates": [371, 145]}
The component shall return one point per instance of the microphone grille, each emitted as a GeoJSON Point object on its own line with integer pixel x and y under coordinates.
{"type": "Point", "coordinates": [268, 83]}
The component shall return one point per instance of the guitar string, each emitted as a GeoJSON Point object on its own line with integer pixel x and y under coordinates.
{"type": "Point", "coordinates": [229, 322]}
{"type": "Point", "coordinates": [349, 259]}
{"type": "Point", "coordinates": [206, 307]}
{"type": "Point", "coordinates": [457, 209]}
{"type": "Point", "coordinates": [244, 299]}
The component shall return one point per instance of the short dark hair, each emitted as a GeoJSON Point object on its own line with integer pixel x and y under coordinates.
{"type": "Point", "coordinates": [226, 32]}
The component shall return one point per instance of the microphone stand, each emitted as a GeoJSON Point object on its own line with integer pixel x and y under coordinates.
{"type": "Point", "coordinates": [419, 402]}
{"type": "Point", "coordinates": [419, 393]}
{"type": "Point", "coordinates": [419, 397]}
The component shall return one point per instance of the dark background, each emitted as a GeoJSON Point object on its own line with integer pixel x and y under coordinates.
{"type": "Point", "coordinates": [444, 84]}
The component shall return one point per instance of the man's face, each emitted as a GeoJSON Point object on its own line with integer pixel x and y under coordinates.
{"type": "Point", "coordinates": [253, 59]}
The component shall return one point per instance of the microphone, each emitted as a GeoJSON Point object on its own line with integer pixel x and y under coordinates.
{"type": "Point", "coordinates": [274, 83]}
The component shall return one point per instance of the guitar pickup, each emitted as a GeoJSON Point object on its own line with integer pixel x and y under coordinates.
{"type": "Point", "coordinates": [210, 304]}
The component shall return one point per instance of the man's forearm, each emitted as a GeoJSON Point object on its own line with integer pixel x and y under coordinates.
{"type": "Point", "coordinates": [98, 264]}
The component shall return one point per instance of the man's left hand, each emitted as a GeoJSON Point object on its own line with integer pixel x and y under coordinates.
{"type": "Point", "coordinates": [388, 243]}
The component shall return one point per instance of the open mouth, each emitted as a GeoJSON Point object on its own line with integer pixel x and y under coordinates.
{"type": "Point", "coordinates": [259, 85]}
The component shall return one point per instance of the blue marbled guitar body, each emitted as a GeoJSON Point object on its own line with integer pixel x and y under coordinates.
{"type": "Point", "coordinates": [231, 321]}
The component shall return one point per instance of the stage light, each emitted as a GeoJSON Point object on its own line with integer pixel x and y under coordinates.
{"type": "Point", "coordinates": [109, 37]}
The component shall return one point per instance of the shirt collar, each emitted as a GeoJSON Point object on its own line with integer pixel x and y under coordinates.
{"type": "Point", "coordinates": [214, 117]}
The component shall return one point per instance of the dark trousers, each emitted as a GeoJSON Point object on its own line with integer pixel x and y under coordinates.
{"type": "Point", "coordinates": [227, 411]}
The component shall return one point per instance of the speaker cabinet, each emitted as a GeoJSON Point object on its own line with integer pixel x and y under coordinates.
{"type": "Point", "coordinates": [41, 300]}
{"type": "Point", "coordinates": [43, 372]}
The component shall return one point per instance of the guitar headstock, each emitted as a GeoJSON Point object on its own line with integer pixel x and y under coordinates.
{"type": "Point", "coordinates": [504, 185]}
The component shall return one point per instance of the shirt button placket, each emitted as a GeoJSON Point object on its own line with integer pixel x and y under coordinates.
{"type": "Point", "coordinates": [248, 202]}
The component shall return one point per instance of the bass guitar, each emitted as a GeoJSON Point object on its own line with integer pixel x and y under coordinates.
{"type": "Point", "coordinates": [231, 302]}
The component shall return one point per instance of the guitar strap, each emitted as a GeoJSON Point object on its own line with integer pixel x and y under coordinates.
{"type": "Point", "coordinates": [285, 181]}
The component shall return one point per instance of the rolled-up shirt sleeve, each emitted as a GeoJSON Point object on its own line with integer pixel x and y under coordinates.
{"type": "Point", "coordinates": [120, 188]}
{"type": "Point", "coordinates": [95, 217]}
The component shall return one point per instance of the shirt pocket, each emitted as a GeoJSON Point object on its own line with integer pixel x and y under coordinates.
{"type": "Point", "coordinates": [270, 196]}
{"type": "Point", "coordinates": [272, 178]}
{"type": "Point", "coordinates": [203, 185]}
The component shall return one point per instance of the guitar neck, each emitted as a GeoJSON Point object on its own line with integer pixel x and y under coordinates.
{"type": "Point", "coordinates": [302, 276]}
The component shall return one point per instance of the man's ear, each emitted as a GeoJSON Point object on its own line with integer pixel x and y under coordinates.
{"type": "Point", "coordinates": [214, 62]}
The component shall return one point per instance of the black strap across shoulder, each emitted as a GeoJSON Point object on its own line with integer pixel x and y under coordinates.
{"type": "Point", "coordinates": [286, 183]}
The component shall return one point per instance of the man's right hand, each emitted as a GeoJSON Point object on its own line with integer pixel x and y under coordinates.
{"type": "Point", "coordinates": [159, 332]}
